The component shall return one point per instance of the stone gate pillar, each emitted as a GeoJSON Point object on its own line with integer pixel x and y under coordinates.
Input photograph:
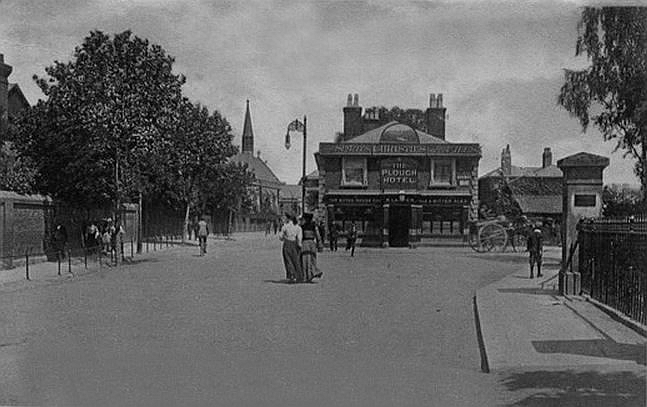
{"type": "Point", "coordinates": [581, 198]}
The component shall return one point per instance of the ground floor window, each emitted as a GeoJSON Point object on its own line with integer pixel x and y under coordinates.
{"type": "Point", "coordinates": [441, 221]}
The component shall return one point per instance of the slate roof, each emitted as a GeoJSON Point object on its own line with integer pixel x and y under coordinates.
{"type": "Point", "coordinates": [290, 191]}
{"type": "Point", "coordinates": [395, 132]}
{"type": "Point", "coordinates": [260, 169]}
{"type": "Point", "coordinates": [545, 204]}
{"type": "Point", "coordinates": [515, 171]}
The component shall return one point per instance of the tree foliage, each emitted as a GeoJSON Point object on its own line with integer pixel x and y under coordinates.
{"type": "Point", "coordinates": [618, 200]}
{"type": "Point", "coordinates": [17, 173]}
{"type": "Point", "coordinates": [95, 139]}
{"type": "Point", "coordinates": [413, 117]}
{"type": "Point", "coordinates": [611, 92]}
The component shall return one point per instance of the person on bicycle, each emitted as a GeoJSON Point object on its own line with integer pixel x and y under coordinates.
{"type": "Point", "coordinates": [203, 232]}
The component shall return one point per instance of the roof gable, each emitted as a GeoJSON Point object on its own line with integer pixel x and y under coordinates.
{"type": "Point", "coordinates": [396, 132]}
{"type": "Point", "coordinates": [260, 169]}
{"type": "Point", "coordinates": [583, 159]}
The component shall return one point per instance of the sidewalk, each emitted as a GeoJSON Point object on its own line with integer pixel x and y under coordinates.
{"type": "Point", "coordinates": [524, 322]}
{"type": "Point", "coordinates": [47, 271]}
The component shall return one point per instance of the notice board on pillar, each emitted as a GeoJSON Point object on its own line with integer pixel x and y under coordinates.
{"type": "Point", "coordinates": [399, 173]}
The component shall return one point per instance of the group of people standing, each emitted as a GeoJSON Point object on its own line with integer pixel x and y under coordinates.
{"type": "Point", "coordinates": [301, 242]}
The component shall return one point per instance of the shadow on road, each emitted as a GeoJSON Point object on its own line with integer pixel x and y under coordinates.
{"type": "Point", "coordinates": [528, 290]}
{"type": "Point", "coordinates": [603, 348]}
{"type": "Point", "coordinates": [572, 388]}
{"type": "Point", "coordinates": [287, 282]}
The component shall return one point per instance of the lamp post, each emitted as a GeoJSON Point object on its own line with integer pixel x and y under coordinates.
{"type": "Point", "coordinates": [296, 125]}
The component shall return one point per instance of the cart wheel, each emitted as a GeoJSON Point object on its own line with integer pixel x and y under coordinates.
{"type": "Point", "coordinates": [493, 237]}
{"type": "Point", "coordinates": [519, 242]}
{"type": "Point", "coordinates": [474, 240]}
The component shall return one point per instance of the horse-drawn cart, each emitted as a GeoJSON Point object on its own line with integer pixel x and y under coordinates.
{"type": "Point", "coordinates": [496, 234]}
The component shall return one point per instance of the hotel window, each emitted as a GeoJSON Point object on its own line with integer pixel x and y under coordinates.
{"type": "Point", "coordinates": [354, 171]}
{"type": "Point", "coordinates": [443, 172]}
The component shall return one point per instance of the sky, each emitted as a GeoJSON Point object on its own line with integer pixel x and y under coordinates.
{"type": "Point", "coordinates": [498, 64]}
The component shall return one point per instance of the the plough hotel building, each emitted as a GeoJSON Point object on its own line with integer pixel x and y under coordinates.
{"type": "Point", "coordinates": [400, 185]}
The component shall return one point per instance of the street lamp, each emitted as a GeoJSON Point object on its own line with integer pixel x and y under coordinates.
{"type": "Point", "coordinates": [296, 125]}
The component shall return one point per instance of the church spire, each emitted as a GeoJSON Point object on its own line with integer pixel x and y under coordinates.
{"type": "Point", "coordinates": [248, 133]}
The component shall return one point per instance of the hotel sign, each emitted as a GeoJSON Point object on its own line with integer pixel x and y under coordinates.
{"type": "Point", "coordinates": [448, 149]}
{"type": "Point", "coordinates": [399, 173]}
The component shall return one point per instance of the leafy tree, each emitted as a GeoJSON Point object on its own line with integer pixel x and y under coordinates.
{"type": "Point", "coordinates": [620, 201]}
{"type": "Point", "coordinates": [95, 140]}
{"type": "Point", "coordinates": [413, 117]}
{"type": "Point", "coordinates": [612, 91]}
{"type": "Point", "coordinates": [227, 189]}
{"type": "Point", "coordinates": [16, 173]}
{"type": "Point", "coordinates": [195, 150]}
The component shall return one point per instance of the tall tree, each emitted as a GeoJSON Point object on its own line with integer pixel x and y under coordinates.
{"type": "Point", "coordinates": [612, 91]}
{"type": "Point", "coordinates": [195, 151]}
{"type": "Point", "coordinates": [97, 135]}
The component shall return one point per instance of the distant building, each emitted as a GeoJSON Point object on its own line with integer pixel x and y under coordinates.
{"type": "Point", "coordinates": [400, 185]}
{"type": "Point", "coordinates": [537, 190]}
{"type": "Point", "coordinates": [290, 199]}
{"type": "Point", "coordinates": [12, 100]}
{"type": "Point", "coordinates": [265, 190]}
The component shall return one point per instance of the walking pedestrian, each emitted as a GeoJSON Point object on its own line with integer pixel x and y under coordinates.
{"type": "Point", "coordinates": [292, 236]}
{"type": "Point", "coordinates": [333, 237]}
{"type": "Point", "coordinates": [59, 240]}
{"type": "Point", "coordinates": [275, 225]}
{"type": "Point", "coordinates": [203, 232]}
{"type": "Point", "coordinates": [351, 239]}
{"type": "Point", "coordinates": [322, 233]}
{"type": "Point", "coordinates": [535, 249]}
{"type": "Point", "coordinates": [311, 243]}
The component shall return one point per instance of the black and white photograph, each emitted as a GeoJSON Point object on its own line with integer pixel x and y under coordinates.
{"type": "Point", "coordinates": [336, 203]}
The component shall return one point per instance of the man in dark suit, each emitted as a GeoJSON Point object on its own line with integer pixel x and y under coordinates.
{"type": "Point", "coordinates": [535, 249]}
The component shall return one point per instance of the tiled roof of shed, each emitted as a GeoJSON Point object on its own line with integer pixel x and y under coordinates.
{"type": "Point", "coordinates": [549, 204]}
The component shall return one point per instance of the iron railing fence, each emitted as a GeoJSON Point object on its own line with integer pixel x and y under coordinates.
{"type": "Point", "coordinates": [64, 260]}
{"type": "Point", "coordinates": [613, 263]}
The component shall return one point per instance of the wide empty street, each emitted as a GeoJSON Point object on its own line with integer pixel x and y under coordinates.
{"type": "Point", "coordinates": [390, 327]}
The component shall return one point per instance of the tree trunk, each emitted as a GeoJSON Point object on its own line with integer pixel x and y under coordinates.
{"type": "Point", "coordinates": [186, 234]}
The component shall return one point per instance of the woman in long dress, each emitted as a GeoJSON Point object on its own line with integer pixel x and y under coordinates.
{"type": "Point", "coordinates": [291, 235]}
{"type": "Point", "coordinates": [311, 241]}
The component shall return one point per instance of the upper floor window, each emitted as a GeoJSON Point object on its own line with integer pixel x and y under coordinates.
{"type": "Point", "coordinates": [443, 172]}
{"type": "Point", "coordinates": [354, 171]}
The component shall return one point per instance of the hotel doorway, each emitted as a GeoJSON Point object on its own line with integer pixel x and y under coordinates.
{"type": "Point", "coordinates": [399, 223]}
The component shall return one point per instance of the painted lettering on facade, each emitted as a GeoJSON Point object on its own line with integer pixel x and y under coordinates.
{"type": "Point", "coordinates": [399, 149]}
{"type": "Point", "coordinates": [399, 173]}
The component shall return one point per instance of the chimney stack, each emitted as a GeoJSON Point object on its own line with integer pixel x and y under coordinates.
{"type": "Point", "coordinates": [506, 161]}
{"type": "Point", "coordinates": [352, 118]}
{"type": "Point", "coordinates": [435, 116]}
{"type": "Point", "coordinates": [546, 158]}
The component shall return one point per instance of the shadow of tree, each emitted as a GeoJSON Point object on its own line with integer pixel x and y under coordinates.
{"type": "Point", "coordinates": [604, 348]}
{"type": "Point", "coordinates": [528, 290]}
{"type": "Point", "coordinates": [577, 388]}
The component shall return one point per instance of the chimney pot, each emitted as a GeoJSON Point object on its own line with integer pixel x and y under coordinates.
{"type": "Point", "coordinates": [432, 100]}
{"type": "Point", "coordinates": [356, 100]}
{"type": "Point", "coordinates": [349, 101]}
{"type": "Point", "coordinates": [547, 158]}
{"type": "Point", "coordinates": [439, 100]}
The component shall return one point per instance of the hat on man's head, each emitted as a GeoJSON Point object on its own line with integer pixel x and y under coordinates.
{"type": "Point", "coordinates": [307, 217]}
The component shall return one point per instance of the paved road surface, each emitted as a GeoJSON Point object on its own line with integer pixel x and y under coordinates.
{"type": "Point", "coordinates": [386, 328]}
